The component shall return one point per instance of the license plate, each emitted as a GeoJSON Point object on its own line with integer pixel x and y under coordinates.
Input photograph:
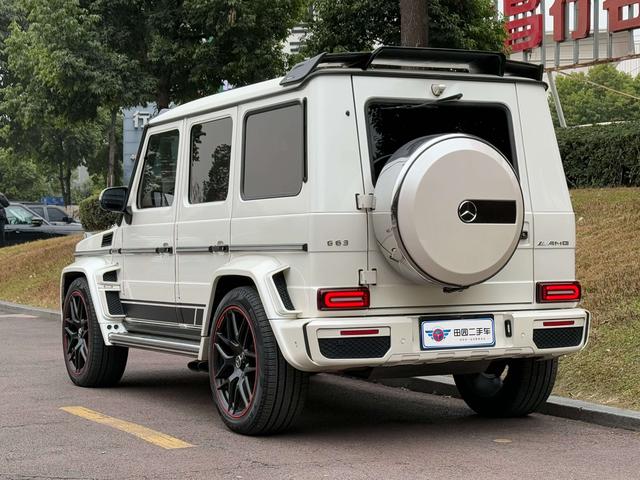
{"type": "Point", "coordinates": [437, 334]}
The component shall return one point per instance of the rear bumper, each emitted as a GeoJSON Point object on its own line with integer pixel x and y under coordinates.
{"type": "Point", "coordinates": [315, 345]}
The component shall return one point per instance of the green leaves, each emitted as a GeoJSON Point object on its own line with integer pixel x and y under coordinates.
{"type": "Point", "coordinates": [585, 103]}
{"type": "Point", "coordinates": [601, 155]}
{"type": "Point", "coordinates": [358, 25]}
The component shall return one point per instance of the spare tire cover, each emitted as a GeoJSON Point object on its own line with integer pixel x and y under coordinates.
{"type": "Point", "coordinates": [449, 210]}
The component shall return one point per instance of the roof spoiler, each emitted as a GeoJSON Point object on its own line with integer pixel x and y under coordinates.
{"type": "Point", "coordinates": [441, 59]}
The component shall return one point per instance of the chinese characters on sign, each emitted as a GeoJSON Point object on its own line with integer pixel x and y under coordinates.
{"type": "Point", "coordinates": [525, 23]}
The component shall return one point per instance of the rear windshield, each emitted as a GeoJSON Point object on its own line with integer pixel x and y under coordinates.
{"type": "Point", "coordinates": [391, 124]}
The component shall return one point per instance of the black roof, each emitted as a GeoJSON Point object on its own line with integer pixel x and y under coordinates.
{"type": "Point", "coordinates": [438, 59]}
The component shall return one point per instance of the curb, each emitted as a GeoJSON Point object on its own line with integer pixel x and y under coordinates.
{"type": "Point", "coordinates": [9, 307]}
{"type": "Point", "coordinates": [556, 406]}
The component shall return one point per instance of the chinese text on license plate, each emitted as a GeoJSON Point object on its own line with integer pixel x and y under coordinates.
{"type": "Point", "coordinates": [456, 333]}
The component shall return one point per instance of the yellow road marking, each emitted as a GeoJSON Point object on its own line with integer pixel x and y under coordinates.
{"type": "Point", "coordinates": [146, 434]}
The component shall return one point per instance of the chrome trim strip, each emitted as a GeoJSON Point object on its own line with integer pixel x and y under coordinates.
{"type": "Point", "coordinates": [166, 304]}
{"type": "Point", "coordinates": [193, 250]}
{"type": "Point", "coordinates": [143, 250]}
{"type": "Point", "coordinates": [152, 343]}
{"type": "Point", "coordinates": [155, 323]}
{"type": "Point", "coordinates": [93, 253]}
{"type": "Point", "coordinates": [298, 247]}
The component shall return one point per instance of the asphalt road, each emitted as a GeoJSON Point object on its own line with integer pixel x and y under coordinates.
{"type": "Point", "coordinates": [349, 430]}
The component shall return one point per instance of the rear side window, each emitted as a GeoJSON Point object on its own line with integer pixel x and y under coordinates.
{"type": "Point", "coordinates": [391, 124]}
{"type": "Point", "coordinates": [274, 153]}
{"type": "Point", "coordinates": [210, 159]}
{"type": "Point", "coordinates": [158, 183]}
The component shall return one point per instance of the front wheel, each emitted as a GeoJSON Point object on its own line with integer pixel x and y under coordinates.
{"type": "Point", "coordinates": [89, 362]}
{"type": "Point", "coordinates": [254, 388]}
{"type": "Point", "coordinates": [510, 388]}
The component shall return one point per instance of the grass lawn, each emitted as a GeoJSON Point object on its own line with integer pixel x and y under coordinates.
{"type": "Point", "coordinates": [608, 227]}
{"type": "Point", "coordinates": [30, 272]}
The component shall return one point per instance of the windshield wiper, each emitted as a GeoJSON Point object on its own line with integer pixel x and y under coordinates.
{"type": "Point", "coordinates": [428, 103]}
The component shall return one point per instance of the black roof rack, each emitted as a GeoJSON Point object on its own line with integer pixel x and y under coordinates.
{"type": "Point", "coordinates": [470, 61]}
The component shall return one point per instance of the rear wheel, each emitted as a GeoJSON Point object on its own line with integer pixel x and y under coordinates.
{"type": "Point", "coordinates": [511, 388]}
{"type": "Point", "coordinates": [89, 362]}
{"type": "Point", "coordinates": [254, 388]}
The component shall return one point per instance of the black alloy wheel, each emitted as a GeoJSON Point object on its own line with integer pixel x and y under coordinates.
{"type": "Point", "coordinates": [254, 388]}
{"type": "Point", "coordinates": [76, 333]}
{"type": "Point", "coordinates": [89, 362]}
{"type": "Point", "coordinates": [235, 362]}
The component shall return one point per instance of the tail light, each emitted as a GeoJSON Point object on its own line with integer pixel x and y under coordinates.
{"type": "Point", "coordinates": [343, 298]}
{"type": "Point", "coordinates": [559, 292]}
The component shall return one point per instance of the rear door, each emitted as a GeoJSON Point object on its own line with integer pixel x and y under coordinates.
{"type": "Point", "coordinates": [203, 226]}
{"type": "Point", "coordinates": [514, 284]}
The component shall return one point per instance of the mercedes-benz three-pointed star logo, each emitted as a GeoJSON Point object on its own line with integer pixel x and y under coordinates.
{"type": "Point", "coordinates": [467, 211]}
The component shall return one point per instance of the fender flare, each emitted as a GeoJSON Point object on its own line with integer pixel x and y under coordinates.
{"type": "Point", "coordinates": [92, 269]}
{"type": "Point", "coordinates": [260, 270]}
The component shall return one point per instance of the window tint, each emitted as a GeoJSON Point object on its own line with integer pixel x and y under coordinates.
{"type": "Point", "coordinates": [159, 171]}
{"type": "Point", "coordinates": [56, 215]}
{"type": "Point", "coordinates": [392, 124]}
{"type": "Point", "coordinates": [18, 215]}
{"type": "Point", "coordinates": [38, 210]}
{"type": "Point", "coordinates": [210, 158]}
{"type": "Point", "coordinates": [274, 152]}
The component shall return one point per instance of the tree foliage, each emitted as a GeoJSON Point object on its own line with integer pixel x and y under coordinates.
{"type": "Point", "coordinates": [64, 63]}
{"type": "Point", "coordinates": [360, 25]}
{"type": "Point", "coordinates": [601, 155]}
{"type": "Point", "coordinates": [585, 103]}
{"type": "Point", "coordinates": [93, 217]}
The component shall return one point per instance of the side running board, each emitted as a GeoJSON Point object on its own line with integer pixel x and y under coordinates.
{"type": "Point", "coordinates": [157, 343]}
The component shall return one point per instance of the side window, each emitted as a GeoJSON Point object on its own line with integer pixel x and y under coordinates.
{"type": "Point", "coordinates": [274, 151]}
{"type": "Point", "coordinates": [38, 210]}
{"type": "Point", "coordinates": [210, 159]}
{"type": "Point", "coordinates": [56, 215]}
{"type": "Point", "coordinates": [158, 183]}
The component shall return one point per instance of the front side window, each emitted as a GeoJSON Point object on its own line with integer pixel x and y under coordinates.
{"type": "Point", "coordinates": [210, 159]}
{"type": "Point", "coordinates": [157, 186]}
{"type": "Point", "coordinates": [274, 153]}
{"type": "Point", "coordinates": [18, 215]}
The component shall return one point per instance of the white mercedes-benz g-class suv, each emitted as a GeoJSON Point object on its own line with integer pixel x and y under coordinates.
{"type": "Point", "coordinates": [396, 213]}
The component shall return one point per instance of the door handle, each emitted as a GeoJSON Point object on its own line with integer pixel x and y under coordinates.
{"type": "Point", "coordinates": [164, 249]}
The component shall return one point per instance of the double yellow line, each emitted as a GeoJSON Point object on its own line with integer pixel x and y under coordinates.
{"type": "Point", "coordinates": [156, 438]}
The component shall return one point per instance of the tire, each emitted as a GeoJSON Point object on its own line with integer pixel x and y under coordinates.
{"type": "Point", "coordinates": [522, 390]}
{"type": "Point", "coordinates": [89, 362]}
{"type": "Point", "coordinates": [255, 390]}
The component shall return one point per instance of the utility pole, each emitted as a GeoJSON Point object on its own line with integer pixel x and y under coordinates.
{"type": "Point", "coordinates": [414, 23]}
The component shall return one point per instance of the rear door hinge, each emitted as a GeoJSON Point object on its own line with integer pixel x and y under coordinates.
{"type": "Point", "coordinates": [368, 277]}
{"type": "Point", "coordinates": [365, 202]}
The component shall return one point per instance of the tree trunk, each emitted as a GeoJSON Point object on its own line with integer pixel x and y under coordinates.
{"type": "Point", "coordinates": [162, 95]}
{"type": "Point", "coordinates": [111, 166]}
{"type": "Point", "coordinates": [67, 182]}
{"type": "Point", "coordinates": [61, 179]}
{"type": "Point", "coordinates": [414, 23]}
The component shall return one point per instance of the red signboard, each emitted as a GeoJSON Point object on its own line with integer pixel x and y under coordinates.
{"type": "Point", "coordinates": [525, 24]}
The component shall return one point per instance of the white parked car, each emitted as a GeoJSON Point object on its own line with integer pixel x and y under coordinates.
{"type": "Point", "coordinates": [396, 213]}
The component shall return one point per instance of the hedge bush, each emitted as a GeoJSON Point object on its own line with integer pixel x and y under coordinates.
{"type": "Point", "coordinates": [601, 155]}
{"type": "Point", "coordinates": [93, 217]}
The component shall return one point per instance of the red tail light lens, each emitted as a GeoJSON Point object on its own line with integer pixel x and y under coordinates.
{"type": "Point", "coordinates": [343, 298]}
{"type": "Point", "coordinates": [559, 292]}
